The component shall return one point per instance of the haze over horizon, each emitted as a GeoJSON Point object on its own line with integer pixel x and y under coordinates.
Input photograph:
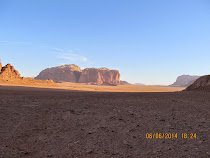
{"type": "Point", "coordinates": [150, 42]}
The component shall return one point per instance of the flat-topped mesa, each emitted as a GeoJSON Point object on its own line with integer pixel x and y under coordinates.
{"type": "Point", "coordinates": [184, 81]}
{"type": "Point", "coordinates": [67, 73]}
{"type": "Point", "coordinates": [100, 76]}
{"type": "Point", "coordinates": [9, 71]}
{"type": "Point", "coordinates": [73, 73]}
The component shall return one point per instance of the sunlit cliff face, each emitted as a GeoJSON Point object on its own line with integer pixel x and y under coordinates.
{"type": "Point", "coordinates": [73, 73]}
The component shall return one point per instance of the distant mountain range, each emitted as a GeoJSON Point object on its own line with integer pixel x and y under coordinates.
{"type": "Point", "coordinates": [139, 84]}
{"type": "Point", "coordinates": [184, 81]}
{"type": "Point", "coordinates": [124, 82]}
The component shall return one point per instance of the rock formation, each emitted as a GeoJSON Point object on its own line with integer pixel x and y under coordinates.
{"type": "Point", "coordinates": [184, 81]}
{"type": "Point", "coordinates": [9, 72]}
{"type": "Point", "coordinates": [9, 75]}
{"type": "Point", "coordinates": [201, 84]}
{"type": "Point", "coordinates": [73, 73]}
{"type": "Point", "coordinates": [67, 73]}
{"type": "Point", "coordinates": [100, 76]}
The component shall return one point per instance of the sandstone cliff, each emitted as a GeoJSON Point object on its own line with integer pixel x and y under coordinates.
{"type": "Point", "coordinates": [100, 76]}
{"type": "Point", "coordinates": [184, 81]}
{"type": "Point", "coordinates": [201, 84]}
{"type": "Point", "coordinates": [9, 72]}
{"type": "Point", "coordinates": [67, 73]}
{"type": "Point", "coordinates": [73, 73]}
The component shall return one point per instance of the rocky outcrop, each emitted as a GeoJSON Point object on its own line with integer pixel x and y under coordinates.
{"type": "Point", "coordinates": [184, 81]}
{"type": "Point", "coordinates": [100, 76]}
{"type": "Point", "coordinates": [73, 73]}
{"type": "Point", "coordinates": [67, 73]}
{"type": "Point", "coordinates": [201, 84]}
{"type": "Point", "coordinates": [9, 72]}
{"type": "Point", "coordinates": [8, 75]}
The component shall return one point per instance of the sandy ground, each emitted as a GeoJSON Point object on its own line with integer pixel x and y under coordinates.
{"type": "Point", "coordinates": [103, 88]}
{"type": "Point", "coordinates": [119, 88]}
{"type": "Point", "coordinates": [57, 123]}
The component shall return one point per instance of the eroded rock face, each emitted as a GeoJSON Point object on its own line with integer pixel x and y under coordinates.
{"type": "Point", "coordinates": [9, 75]}
{"type": "Point", "coordinates": [184, 80]}
{"type": "Point", "coordinates": [9, 72]}
{"type": "Point", "coordinates": [202, 83]}
{"type": "Point", "coordinates": [67, 73]}
{"type": "Point", "coordinates": [100, 76]}
{"type": "Point", "coordinates": [73, 73]}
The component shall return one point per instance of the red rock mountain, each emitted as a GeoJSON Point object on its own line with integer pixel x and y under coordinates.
{"type": "Point", "coordinates": [67, 73]}
{"type": "Point", "coordinates": [201, 84]}
{"type": "Point", "coordinates": [9, 75]}
{"type": "Point", "coordinates": [100, 76]}
{"type": "Point", "coordinates": [8, 72]}
{"type": "Point", "coordinates": [73, 73]}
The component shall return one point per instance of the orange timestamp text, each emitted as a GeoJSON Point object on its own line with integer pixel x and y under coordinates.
{"type": "Point", "coordinates": [170, 135]}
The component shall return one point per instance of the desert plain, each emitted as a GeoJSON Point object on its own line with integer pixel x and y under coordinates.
{"type": "Point", "coordinates": [88, 121]}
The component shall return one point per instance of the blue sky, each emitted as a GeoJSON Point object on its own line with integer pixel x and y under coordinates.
{"type": "Point", "coordinates": [149, 41]}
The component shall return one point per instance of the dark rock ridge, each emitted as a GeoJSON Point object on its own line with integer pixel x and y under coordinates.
{"type": "Point", "coordinates": [73, 73]}
{"type": "Point", "coordinates": [201, 84]}
{"type": "Point", "coordinates": [184, 81]}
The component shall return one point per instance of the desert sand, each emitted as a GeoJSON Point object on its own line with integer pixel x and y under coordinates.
{"type": "Point", "coordinates": [46, 122]}
{"type": "Point", "coordinates": [100, 88]}
{"type": "Point", "coordinates": [119, 88]}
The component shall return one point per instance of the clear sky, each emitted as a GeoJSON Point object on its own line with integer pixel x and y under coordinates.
{"type": "Point", "coordinates": [148, 41]}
